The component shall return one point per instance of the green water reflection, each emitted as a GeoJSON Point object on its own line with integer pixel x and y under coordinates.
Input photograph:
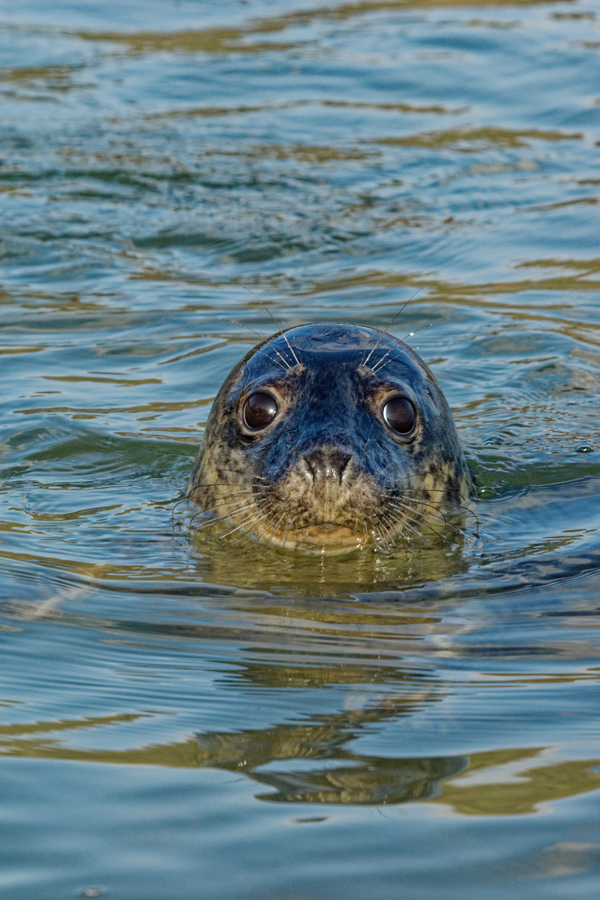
{"type": "Point", "coordinates": [176, 704]}
{"type": "Point", "coordinates": [508, 782]}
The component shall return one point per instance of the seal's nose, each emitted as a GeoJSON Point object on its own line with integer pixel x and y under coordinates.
{"type": "Point", "coordinates": [326, 464]}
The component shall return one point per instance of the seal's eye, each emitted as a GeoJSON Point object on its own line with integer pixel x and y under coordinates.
{"type": "Point", "coordinates": [400, 415]}
{"type": "Point", "coordinates": [259, 410]}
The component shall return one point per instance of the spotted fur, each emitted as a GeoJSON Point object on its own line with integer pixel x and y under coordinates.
{"type": "Point", "coordinates": [329, 475]}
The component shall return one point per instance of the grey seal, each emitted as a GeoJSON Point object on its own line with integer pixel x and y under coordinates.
{"type": "Point", "coordinates": [329, 438]}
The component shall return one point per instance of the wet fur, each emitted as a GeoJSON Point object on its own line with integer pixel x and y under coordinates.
{"type": "Point", "coordinates": [371, 487]}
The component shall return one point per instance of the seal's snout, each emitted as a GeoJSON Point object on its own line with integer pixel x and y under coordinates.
{"type": "Point", "coordinates": [326, 465]}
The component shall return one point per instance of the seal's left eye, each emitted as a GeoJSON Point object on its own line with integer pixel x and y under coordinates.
{"type": "Point", "coordinates": [259, 410]}
{"type": "Point", "coordinates": [400, 415]}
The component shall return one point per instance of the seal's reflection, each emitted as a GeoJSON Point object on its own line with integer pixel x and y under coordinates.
{"type": "Point", "coordinates": [307, 685]}
{"type": "Point", "coordinates": [320, 675]}
{"type": "Point", "coordinates": [310, 761]}
{"type": "Point", "coordinates": [249, 566]}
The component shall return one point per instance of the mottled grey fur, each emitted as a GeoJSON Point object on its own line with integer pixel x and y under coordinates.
{"type": "Point", "coordinates": [329, 475]}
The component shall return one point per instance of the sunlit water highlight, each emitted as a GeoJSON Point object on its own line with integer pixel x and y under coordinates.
{"type": "Point", "coordinates": [183, 718]}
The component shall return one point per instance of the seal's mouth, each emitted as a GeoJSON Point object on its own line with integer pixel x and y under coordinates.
{"type": "Point", "coordinates": [326, 527]}
{"type": "Point", "coordinates": [325, 537]}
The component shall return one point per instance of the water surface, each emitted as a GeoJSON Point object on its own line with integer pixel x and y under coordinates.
{"type": "Point", "coordinates": [183, 719]}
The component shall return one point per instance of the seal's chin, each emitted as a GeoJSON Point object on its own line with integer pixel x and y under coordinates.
{"type": "Point", "coordinates": [326, 538]}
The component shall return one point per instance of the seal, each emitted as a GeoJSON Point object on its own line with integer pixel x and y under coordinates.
{"type": "Point", "coordinates": [328, 438]}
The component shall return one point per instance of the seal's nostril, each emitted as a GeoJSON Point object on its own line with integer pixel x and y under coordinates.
{"type": "Point", "coordinates": [326, 463]}
{"type": "Point", "coordinates": [309, 468]}
{"type": "Point", "coordinates": [344, 465]}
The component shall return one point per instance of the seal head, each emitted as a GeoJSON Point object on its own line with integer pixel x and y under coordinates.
{"type": "Point", "coordinates": [328, 438]}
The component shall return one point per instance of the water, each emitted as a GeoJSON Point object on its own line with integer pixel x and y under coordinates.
{"type": "Point", "coordinates": [179, 719]}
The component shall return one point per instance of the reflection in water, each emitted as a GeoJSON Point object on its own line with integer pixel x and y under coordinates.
{"type": "Point", "coordinates": [303, 761]}
{"type": "Point", "coordinates": [157, 159]}
{"type": "Point", "coordinates": [247, 564]}
{"type": "Point", "coordinates": [471, 140]}
{"type": "Point", "coordinates": [223, 40]}
{"type": "Point", "coordinates": [310, 763]}
{"type": "Point", "coordinates": [334, 776]}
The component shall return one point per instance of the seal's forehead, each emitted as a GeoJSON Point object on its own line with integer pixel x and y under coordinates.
{"type": "Point", "coordinates": [336, 338]}
{"type": "Point", "coordinates": [334, 350]}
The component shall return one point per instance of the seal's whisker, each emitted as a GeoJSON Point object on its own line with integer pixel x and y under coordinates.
{"type": "Point", "coordinates": [471, 512]}
{"type": "Point", "coordinates": [442, 491]}
{"type": "Point", "coordinates": [399, 478]}
{"type": "Point", "coordinates": [281, 331]}
{"type": "Point", "coordinates": [385, 331]}
{"type": "Point", "coordinates": [380, 362]}
{"type": "Point", "coordinates": [228, 516]}
{"type": "Point", "coordinates": [411, 526]}
{"type": "Point", "coordinates": [405, 502]}
{"type": "Point", "coordinates": [243, 325]}
{"type": "Point", "coordinates": [437, 514]}
{"type": "Point", "coordinates": [386, 529]}
{"type": "Point", "coordinates": [385, 359]}
{"type": "Point", "coordinates": [422, 522]}
{"type": "Point", "coordinates": [241, 525]}
{"type": "Point", "coordinates": [365, 526]}
{"type": "Point", "coordinates": [177, 523]}
{"type": "Point", "coordinates": [207, 519]}
{"type": "Point", "coordinates": [390, 528]}
{"type": "Point", "coordinates": [387, 533]}
{"type": "Point", "coordinates": [222, 508]}
{"type": "Point", "coordinates": [412, 523]}
{"type": "Point", "coordinates": [284, 336]}
{"type": "Point", "coordinates": [178, 503]}
{"type": "Point", "coordinates": [240, 534]}
{"type": "Point", "coordinates": [288, 366]}
{"type": "Point", "coordinates": [404, 488]}
{"type": "Point", "coordinates": [254, 518]}
{"type": "Point", "coordinates": [204, 524]}
{"type": "Point", "coordinates": [223, 503]}
{"type": "Point", "coordinates": [287, 529]}
{"type": "Point", "coordinates": [231, 487]}
{"type": "Point", "coordinates": [285, 365]}
{"type": "Point", "coordinates": [220, 520]}
{"type": "Point", "coordinates": [225, 484]}
{"type": "Point", "coordinates": [386, 526]}
{"type": "Point", "coordinates": [416, 331]}
{"type": "Point", "coordinates": [272, 530]}
{"type": "Point", "coordinates": [389, 325]}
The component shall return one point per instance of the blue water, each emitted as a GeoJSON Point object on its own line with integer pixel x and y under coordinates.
{"type": "Point", "coordinates": [181, 719]}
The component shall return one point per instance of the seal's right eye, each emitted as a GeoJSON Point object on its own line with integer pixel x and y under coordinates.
{"type": "Point", "coordinates": [259, 410]}
{"type": "Point", "coordinates": [400, 415]}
